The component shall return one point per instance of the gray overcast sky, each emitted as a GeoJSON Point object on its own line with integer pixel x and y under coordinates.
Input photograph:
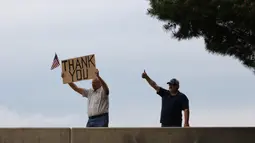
{"type": "Point", "coordinates": [126, 41]}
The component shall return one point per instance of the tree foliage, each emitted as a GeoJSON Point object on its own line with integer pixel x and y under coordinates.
{"type": "Point", "coordinates": [227, 26]}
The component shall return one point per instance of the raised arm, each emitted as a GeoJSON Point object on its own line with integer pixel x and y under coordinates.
{"type": "Point", "coordinates": [104, 85]}
{"type": "Point", "coordinates": [79, 90]}
{"type": "Point", "coordinates": [152, 83]}
{"type": "Point", "coordinates": [82, 91]}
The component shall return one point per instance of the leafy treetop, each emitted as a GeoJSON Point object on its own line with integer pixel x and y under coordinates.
{"type": "Point", "coordinates": [227, 26]}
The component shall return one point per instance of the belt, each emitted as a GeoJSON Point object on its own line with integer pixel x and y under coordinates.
{"type": "Point", "coordinates": [97, 116]}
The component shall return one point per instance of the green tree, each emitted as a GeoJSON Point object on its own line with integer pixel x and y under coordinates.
{"type": "Point", "coordinates": [227, 26]}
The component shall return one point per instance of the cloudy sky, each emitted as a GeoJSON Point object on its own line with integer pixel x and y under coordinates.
{"type": "Point", "coordinates": [126, 41]}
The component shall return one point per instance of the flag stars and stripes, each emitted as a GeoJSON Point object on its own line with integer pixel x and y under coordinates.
{"type": "Point", "coordinates": [55, 63]}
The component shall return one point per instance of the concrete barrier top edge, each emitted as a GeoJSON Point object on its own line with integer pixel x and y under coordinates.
{"type": "Point", "coordinates": [104, 128]}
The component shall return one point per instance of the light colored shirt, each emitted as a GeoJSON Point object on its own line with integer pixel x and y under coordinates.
{"type": "Point", "coordinates": [98, 101]}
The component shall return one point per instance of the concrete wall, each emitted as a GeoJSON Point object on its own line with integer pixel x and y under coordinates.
{"type": "Point", "coordinates": [127, 135]}
{"type": "Point", "coordinates": [34, 135]}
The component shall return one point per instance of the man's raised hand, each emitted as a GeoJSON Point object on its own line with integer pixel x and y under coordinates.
{"type": "Point", "coordinates": [144, 74]}
{"type": "Point", "coordinates": [97, 72]}
{"type": "Point", "coordinates": [62, 75]}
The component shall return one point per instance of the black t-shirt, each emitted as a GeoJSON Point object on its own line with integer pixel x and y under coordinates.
{"type": "Point", "coordinates": [172, 106]}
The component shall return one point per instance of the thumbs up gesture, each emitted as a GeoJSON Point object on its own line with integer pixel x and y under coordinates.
{"type": "Point", "coordinates": [144, 74]}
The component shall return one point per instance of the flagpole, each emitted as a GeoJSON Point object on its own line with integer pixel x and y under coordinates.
{"type": "Point", "coordinates": [60, 64]}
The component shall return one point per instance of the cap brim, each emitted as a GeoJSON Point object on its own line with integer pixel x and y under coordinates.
{"type": "Point", "coordinates": [170, 83]}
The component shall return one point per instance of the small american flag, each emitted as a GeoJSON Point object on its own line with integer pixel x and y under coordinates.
{"type": "Point", "coordinates": [55, 63]}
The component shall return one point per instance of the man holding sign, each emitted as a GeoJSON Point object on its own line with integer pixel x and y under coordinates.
{"type": "Point", "coordinates": [98, 101]}
{"type": "Point", "coordinates": [173, 103]}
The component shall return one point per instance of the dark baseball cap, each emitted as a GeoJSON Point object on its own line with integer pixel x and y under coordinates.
{"type": "Point", "coordinates": [173, 81]}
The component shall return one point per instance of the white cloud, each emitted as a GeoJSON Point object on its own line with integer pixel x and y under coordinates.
{"type": "Point", "coordinates": [223, 118]}
{"type": "Point", "coordinates": [10, 118]}
{"type": "Point", "coordinates": [13, 12]}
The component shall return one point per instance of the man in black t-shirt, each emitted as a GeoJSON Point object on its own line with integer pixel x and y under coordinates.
{"type": "Point", "coordinates": [173, 103]}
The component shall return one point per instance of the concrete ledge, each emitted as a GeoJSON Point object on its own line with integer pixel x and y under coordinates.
{"type": "Point", "coordinates": [127, 135]}
{"type": "Point", "coordinates": [164, 135]}
{"type": "Point", "coordinates": [35, 135]}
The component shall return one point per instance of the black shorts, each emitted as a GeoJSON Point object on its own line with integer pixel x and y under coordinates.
{"type": "Point", "coordinates": [171, 125]}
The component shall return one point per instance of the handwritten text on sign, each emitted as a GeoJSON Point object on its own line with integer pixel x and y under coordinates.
{"type": "Point", "coordinates": [81, 68]}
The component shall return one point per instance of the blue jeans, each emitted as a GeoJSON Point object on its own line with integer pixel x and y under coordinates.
{"type": "Point", "coordinates": [98, 121]}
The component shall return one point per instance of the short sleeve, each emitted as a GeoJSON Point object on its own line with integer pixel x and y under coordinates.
{"type": "Point", "coordinates": [85, 92]}
{"type": "Point", "coordinates": [162, 92]}
{"type": "Point", "coordinates": [185, 102]}
{"type": "Point", "coordinates": [103, 93]}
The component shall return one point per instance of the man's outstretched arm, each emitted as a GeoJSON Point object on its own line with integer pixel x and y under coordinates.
{"type": "Point", "coordinates": [104, 85]}
{"type": "Point", "coordinates": [152, 83]}
{"type": "Point", "coordinates": [79, 90]}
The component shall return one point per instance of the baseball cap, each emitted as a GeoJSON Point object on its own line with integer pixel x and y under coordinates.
{"type": "Point", "coordinates": [173, 81]}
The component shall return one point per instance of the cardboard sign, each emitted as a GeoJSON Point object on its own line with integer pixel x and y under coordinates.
{"type": "Point", "coordinates": [77, 69]}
